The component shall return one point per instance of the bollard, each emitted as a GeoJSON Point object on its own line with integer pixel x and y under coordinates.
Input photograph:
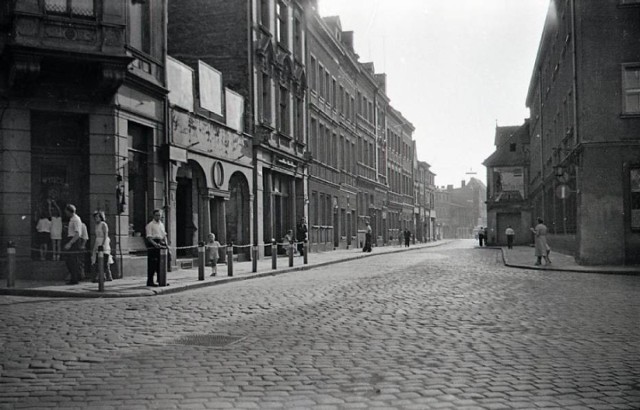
{"type": "Point", "coordinates": [254, 258]}
{"type": "Point", "coordinates": [274, 254]}
{"type": "Point", "coordinates": [201, 259]}
{"type": "Point", "coordinates": [162, 272]}
{"type": "Point", "coordinates": [292, 250]}
{"type": "Point", "coordinates": [100, 262]}
{"type": "Point", "coordinates": [11, 262]}
{"type": "Point", "coordinates": [305, 253]}
{"type": "Point", "coordinates": [230, 260]}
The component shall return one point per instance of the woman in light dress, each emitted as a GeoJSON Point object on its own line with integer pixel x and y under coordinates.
{"type": "Point", "coordinates": [102, 239]}
{"type": "Point", "coordinates": [56, 228]}
{"type": "Point", "coordinates": [542, 248]}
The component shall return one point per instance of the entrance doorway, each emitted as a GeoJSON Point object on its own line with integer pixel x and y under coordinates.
{"type": "Point", "coordinates": [59, 164]}
{"type": "Point", "coordinates": [189, 223]}
{"type": "Point", "coordinates": [238, 218]}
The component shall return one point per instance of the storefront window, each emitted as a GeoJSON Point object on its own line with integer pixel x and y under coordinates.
{"type": "Point", "coordinates": [139, 137]}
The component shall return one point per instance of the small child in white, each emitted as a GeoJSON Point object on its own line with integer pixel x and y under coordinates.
{"type": "Point", "coordinates": [44, 233]}
{"type": "Point", "coordinates": [213, 247]}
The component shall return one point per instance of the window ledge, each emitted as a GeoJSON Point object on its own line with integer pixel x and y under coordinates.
{"type": "Point", "coordinates": [625, 116]}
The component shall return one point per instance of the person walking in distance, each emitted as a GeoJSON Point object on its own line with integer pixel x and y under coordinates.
{"type": "Point", "coordinates": [156, 236]}
{"type": "Point", "coordinates": [101, 231]}
{"type": "Point", "coordinates": [56, 228]}
{"type": "Point", "coordinates": [407, 238]}
{"type": "Point", "coordinates": [301, 234]}
{"type": "Point", "coordinates": [510, 236]}
{"type": "Point", "coordinates": [367, 238]}
{"type": "Point", "coordinates": [481, 236]}
{"type": "Point", "coordinates": [74, 233]}
{"type": "Point", "coordinates": [542, 248]}
{"type": "Point", "coordinates": [213, 249]}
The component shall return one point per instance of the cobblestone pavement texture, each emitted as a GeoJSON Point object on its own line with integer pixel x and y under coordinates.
{"type": "Point", "coordinates": [448, 327]}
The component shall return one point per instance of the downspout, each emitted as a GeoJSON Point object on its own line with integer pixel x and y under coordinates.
{"type": "Point", "coordinates": [252, 128]}
{"type": "Point", "coordinates": [167, 130]}
{"type": "Point", "coordinates": [542, 176]}
{"type": "Point", "coordinates": [576, 139]}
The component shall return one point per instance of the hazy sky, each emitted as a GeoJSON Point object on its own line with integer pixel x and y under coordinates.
{"type": "Point", "coordinates": [454, 68]}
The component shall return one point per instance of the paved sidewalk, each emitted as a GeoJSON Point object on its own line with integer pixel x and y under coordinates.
{"type": "Point", "coordinates": [523, 257]}
{"type": "Point", "coordinates": [187, 279]}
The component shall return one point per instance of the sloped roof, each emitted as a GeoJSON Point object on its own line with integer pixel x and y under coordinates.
{"type": "Point", "coordinates": [504, 133]}
{"type": "Point", "coordinates": [503, 156]}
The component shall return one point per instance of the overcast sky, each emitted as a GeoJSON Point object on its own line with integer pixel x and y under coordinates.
{"type": "Point", "coordinates": [454, 68]}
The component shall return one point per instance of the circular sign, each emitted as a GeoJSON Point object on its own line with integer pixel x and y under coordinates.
{"type": "Point", "coordinates": [218, 174]}
{"type": "Point", "coordinates": [562, 191]}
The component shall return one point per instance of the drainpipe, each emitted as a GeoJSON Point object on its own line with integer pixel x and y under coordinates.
{"type": "Point", "coordinates": [542, 176]}
{"type": "Point", "coordinates": [252, 128]}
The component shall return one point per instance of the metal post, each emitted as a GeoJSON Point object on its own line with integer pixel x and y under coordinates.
{"type": "Point", "coordinates": [254, 258]}
{"type": "Point", "coordinates": [291, 252]}
{"type": "Point", "coordinates": [230, 260]}
{"type": "Point", "coordinates": [305, 253]}
{"type": "Point", "coordinates": [162, 273]}
{"type": "Point", "coordinates": [100, 262]}
{"type": "Point", "coordinates": [11, 262]}
{"type": "Point", "coordinates": [201, 263]}
{"type": "Point", "coordinates": [274, 254]}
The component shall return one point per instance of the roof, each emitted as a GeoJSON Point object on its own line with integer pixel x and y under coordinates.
{"type": "Point", "coordinates": [503, 133]}
{"type": "Point", "coordinates": [503, 156]}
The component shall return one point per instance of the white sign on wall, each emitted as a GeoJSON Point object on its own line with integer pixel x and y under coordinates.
{"type": "Point", "coordinates": [180, 83]}
{"type": "Point", "coordinates": [234, 110]}
{"type": "Point", "coordinates": [210, 81]}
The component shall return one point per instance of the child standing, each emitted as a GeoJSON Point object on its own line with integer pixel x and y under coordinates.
{"type": "Point", "coordinates": [213, 247]}
{"type": "Point", "coordinates": [56, 228]}
{"type": "Point", "coordinates": [43, 228]}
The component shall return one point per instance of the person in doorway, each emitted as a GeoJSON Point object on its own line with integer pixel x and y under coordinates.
{"type": "Point", "coordinates": [367, 238]}
{"type": "Point", "coordinates": [74, 233]}
{"type": "Point", "coordinates": [156, 236]}
{"type": "Point", "coordinates": [542, 248]}
{"type": "Point", "coordinates": [481, 236]}
{"type": "Point", "coordinates": [43, 229]}
{"type": "Point", "coordinates": [56, 228]}
{"type": "Point", "coordinates": [407, 238]}
{"type": "Point", "coordinates": [101, 231]}
{"type": "Point", "coordinates": [213, 249]}
{"type": "Point", "coordinates": [301, 234]}
{"type": "Point", "coordinates": [510, 236]}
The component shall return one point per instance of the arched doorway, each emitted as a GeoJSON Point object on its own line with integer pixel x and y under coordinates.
{"type": "Point", "coordinates": [238, 219]}
{"type": "Point", "coordinates": [189, 223]}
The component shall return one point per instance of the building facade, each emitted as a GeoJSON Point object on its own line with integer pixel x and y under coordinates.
{"type": "Point", "coordinates": [584, 101]}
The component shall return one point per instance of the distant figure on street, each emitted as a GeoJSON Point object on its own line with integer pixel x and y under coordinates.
{"type": "Point", "coordinates": [301, 234]}
{"type": "Point", "coordinates": [542, 248]}
{"type": "Point", "coordinates": [510, 235]}
{"type": "Point", "coordinates": [481, 236]}
{"type": "Point", "coordinates": [101, 231]}
{"type": "Point", "coordinates": [56, 228]}
{"type": "Point", "coordinates": [74, 233]}
{"type": "Point", "coordinates": [213, 250]}
{"type": "Point", "coordinates": [156, 236]}
{"type": "Point", "coordinates": [367, 239]}
{"type": "Point", "coordinates": [43, 229]}
{"type": "Point", "coordinates": [486, 236]}
{"type": "Point", "coordinates": [407, 238]}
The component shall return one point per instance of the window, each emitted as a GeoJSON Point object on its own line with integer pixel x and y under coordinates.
{"type": "Point", "coordinates": [334, 93]}
{"type": "Point", "coordinates": [283, 113]}
{"type": "Point", "coordinates": [297, 40]}
{"type": "Point", "coordinates": [512, 147]}
{"type": "Point", "coordinates": [321, 81]}
{"type": "Point", "coordinates": [282, 28]}
{"type": "Point", "coordinates": [631, 89]}
{"type": "Point", "coordinates": [139, 27]}
{"type": "Point", "coordinates": [264, 14]}
{"type": "Point", "coordinates": [327, 84]}
{"type": "Point", "coordinates": [77, 8]}
{"type": "Point", "coordinates": [634, 179]}
{"type": "Point", "coordinates": [313, 138]}
{"type": "Point", "coordinates": [266, 99]}
{"type": "Point", "coordinates": [299, 120]}
{"type": "Point", "coordinates": [313, 73]}
{"type": "Point", "coordinates": [139, 142]}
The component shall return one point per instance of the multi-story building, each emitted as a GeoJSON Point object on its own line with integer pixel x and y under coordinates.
{"type": "Point", "coordinates": [442, 205]}
{"type": "Point", "coordinates": [260, 47]}
{"type": "Point", "coordinates": [82, 118]}
{"type": "Point", "coordinates": [507, 188]}
{"type": "Point", "coordinates": [425, 202]}
{"type": "Point", "coordinates": [460, 210]}
{"type": "Point", "coordinates": [584, 98]}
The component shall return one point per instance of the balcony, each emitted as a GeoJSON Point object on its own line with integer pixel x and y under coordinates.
{"type": "Point", "coordinates": [83, 34]}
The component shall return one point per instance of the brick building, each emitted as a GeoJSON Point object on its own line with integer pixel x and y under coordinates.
{"type": "Point", "coordinates": [82, 119]}
{"type": "Point", "coordinates": [584, 98]}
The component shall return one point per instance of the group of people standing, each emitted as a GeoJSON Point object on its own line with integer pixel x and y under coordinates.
{"type": "Point", "coordinates": [50, 230]}
{"type": "Point", "coordinates": [542, 248]}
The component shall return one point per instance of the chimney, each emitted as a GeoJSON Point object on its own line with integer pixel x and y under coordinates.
{"type": "Point", "coordinates": [347, 39]}
{"type": "Point", "coordinates": [464, 183]}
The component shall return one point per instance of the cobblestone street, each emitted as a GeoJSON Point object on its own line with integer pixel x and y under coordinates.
{"type": "Point", "coordinates": [446, 327]}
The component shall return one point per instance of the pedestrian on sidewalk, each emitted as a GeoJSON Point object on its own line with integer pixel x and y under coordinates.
{"type": "Point", "coordinates": [101, 231]}
{"type": "Point", "coordinates": [156, 236]}
{"type": "Point", "coordinates": [510, 235]}
{"type": "Point", "coordinates": [481, 236]}
{"type": "Point", "coordinates": [74, 254]}
{"type": "Point", "coordinates": [301, 234]}
{"type": "Point", "coordinates": [213, 249]}
{"type": "Point", "coordinates": [407, 238]}
{"type": "Point", "coordinates": [43, 229]}
{"type": "Point", "coordinates": [542, 248]}
{"type": "Point", "coordinates": [56, 228]}
{"type": "Point", "coordinates": [367, 238]}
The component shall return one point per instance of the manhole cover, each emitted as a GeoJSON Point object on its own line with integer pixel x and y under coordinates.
{"type": "Point", "coordinates": [210, 340]}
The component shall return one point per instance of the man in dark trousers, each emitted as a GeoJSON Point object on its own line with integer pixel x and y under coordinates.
{"type": "Point", "coordinates": [301, 234]}
{"type": "Point", "coordinates": [367, 238]}
{"type": "Point", "coordinates": [481, 236]}
{"type": "Point", "coordinates": [74, 233]}
{"type": "Point", "coordinates": [156, 239]}
{"type": "Point", "coordinates": [407, 238]}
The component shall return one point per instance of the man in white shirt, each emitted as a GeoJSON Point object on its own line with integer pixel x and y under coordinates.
{"type": "Point", "coordinates": [510, 235]}
{"type": "Point", "coordinates": [74, 233]}
{"type": "Point", "coordinates": [156, 239]}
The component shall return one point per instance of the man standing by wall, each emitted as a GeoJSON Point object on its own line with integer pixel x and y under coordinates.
{"type": "Point", "coordinates": [156, 239]}
{"type": "Point", "coordinates": [74, 233]}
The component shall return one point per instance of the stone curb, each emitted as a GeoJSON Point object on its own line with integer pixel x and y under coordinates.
{"type": "Point", "coordinates": [197, 285]}
{"type": "Point", "coordinates": [624, 271]}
